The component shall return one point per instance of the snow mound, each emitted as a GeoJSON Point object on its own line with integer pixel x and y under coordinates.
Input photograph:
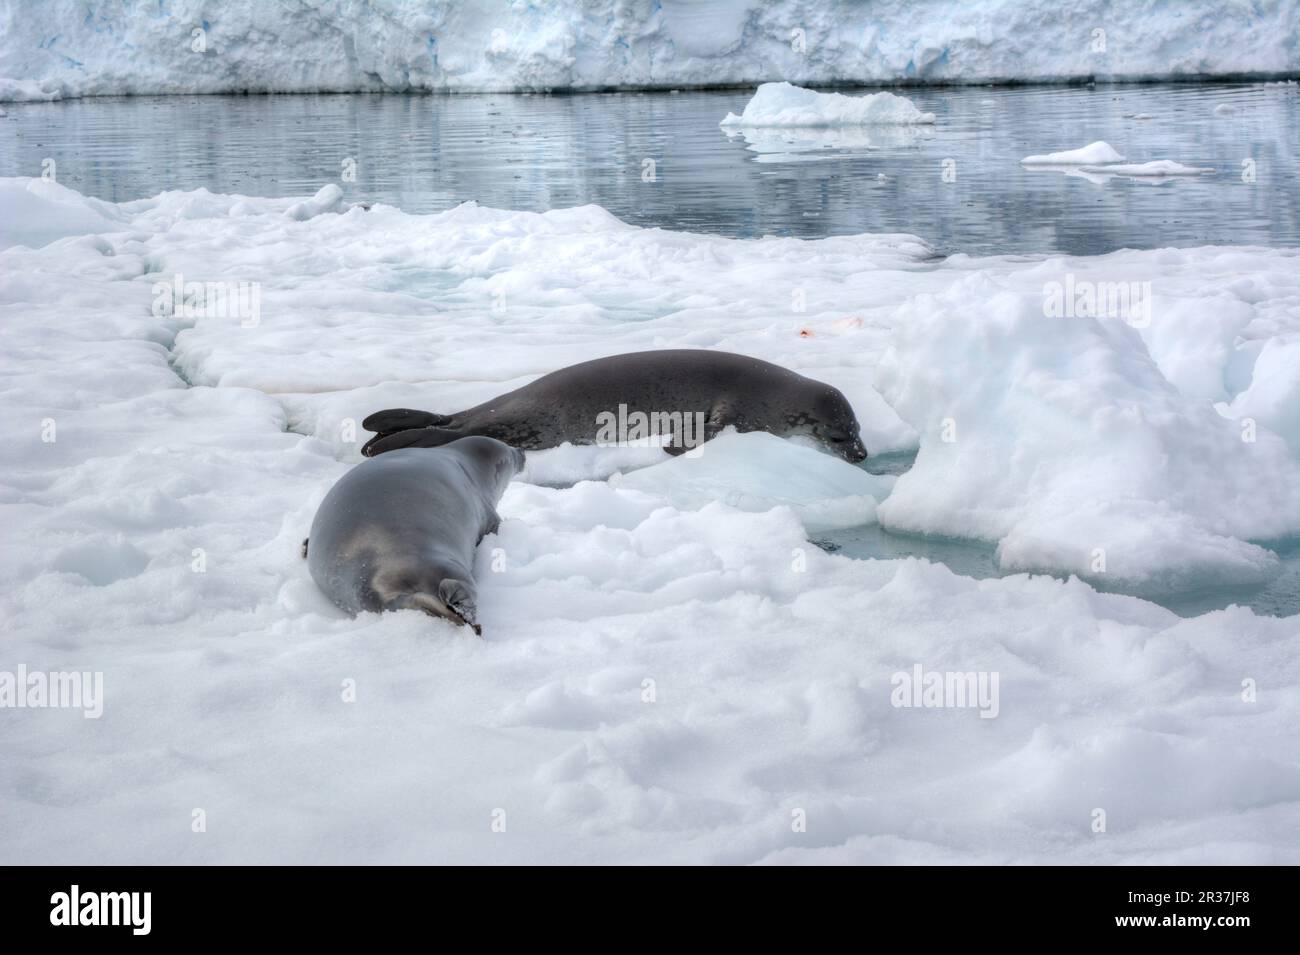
{"type": "Point", "coordinates": [1272, 398]}
{"type": "Point", "coordinates": [35, 212]}
{"type": "Point", "coordinates": [1060, 439]}
{"type": "Point", "coordinates": [328, 199]}
{"type": "Point", "coordinates": [783, 104]}
{"type": "Point", "coordinates": [1092, 154]}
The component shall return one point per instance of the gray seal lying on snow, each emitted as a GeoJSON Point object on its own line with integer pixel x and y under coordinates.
{"type": "Point", "coordinates": [694, 392]}
{"type": "Point", "coordinates": [399, 532]}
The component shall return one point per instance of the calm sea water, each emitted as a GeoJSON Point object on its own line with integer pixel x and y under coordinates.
{"type": "Point", "coordinates": [427, 153]}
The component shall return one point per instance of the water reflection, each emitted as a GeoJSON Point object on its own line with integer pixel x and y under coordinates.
{"type": "Point", "coordinates": [428, 153]}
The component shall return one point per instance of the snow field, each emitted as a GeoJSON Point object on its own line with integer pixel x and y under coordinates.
{"type": "Point", "coordinates": [770, 662]}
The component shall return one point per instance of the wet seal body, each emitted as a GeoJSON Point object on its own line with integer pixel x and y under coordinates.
{"type": "Point", "coordinates": [719, 389]}
{"type": "Point", "coordinates": [399, 532]}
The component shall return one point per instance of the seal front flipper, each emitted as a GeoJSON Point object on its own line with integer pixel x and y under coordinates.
{"type": "Point", "coordinates": [695, 432]}
{"type": "Point", "coordinates": [412, 438]}
{"type": "Point", "coordinates": [491, 524]}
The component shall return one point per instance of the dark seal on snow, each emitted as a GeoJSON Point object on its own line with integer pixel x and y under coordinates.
{"type": "Point", "coordinates": [399, 532]}
{"type": "Point", "coordinates": [687, 395]}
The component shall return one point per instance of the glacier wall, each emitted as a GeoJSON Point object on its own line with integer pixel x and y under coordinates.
{"type": "Point", "coordinates": [55, 48]}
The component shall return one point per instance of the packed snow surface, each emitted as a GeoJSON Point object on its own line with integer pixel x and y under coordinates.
{"type": "Point", "coordinates": [782, 104]}
{"type": "Point", "coordinates": [1092, 154]}
{"type": "Point", "coordinates": [55, 48]}
{"type": "Point", "coordinates": [671, 670]}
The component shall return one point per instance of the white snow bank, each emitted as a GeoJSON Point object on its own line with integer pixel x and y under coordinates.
{"type": "Point", "coordinates": [1272, 400]}
{"type": "Point", "coordinates": [757, 472]}
{"type": "Point", "coordinates": [35, 212]}
{"type": "Point", "coordinates": [29, 91]}
{"type": "Point", "coordinates": [1157, 167]}
{"type": "Point", "coordinates": [62, 47]}
{"type": "Point", "coordinates": [657, 683]}
{"type": "Point", "coordinates": [1093, 153]}
{"type": "Point", "coordinates": [1060, 438]}
{"type": "Point", "coordinates": [783, 104]}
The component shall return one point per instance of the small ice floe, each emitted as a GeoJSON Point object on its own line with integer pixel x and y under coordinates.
{"type": "Point", "coordinates": [1158, 167]}
{"type": "Point", "coordinates": [1224, 109]}
{"type": "Point", "coordinates": [1138, 116]}
{"type": "Point", "coordinates": [784, 104]}
{"type": "Point", "coordinates": [1090, 155]}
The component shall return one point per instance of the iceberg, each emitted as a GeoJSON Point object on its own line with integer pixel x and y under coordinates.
{"type": "Point", "coordinates": [58, 48]}
{"type": "Point", "coordinates": [784, 105]}
{"type": "Point", "coordinates": [1091, 155]}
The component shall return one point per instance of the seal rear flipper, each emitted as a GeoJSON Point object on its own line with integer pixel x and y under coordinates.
{"type": "Point", "coordinates": [461, 612]}
{"type": "Point", "coordinates": [402, 419]}
{"type": "Point", "coordinates": [412, 438]}
{"type": "Point", "coordinates": [459, 598]}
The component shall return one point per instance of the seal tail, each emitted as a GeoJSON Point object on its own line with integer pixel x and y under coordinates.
{"type": "Point", "coordinates": [411, 438]}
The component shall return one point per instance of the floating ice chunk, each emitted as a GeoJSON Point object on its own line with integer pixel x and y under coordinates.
{"type": "Point", "coordinates": [783, 104]}
{"type": "Point", "coordinates": [1092, 154]}
{"type": "Point", "coordinates": [1224, 109]}
{"type": "Point", "coordinates": [1158, 167]}
{"type": "Point", "coordinates": [757, 471]}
